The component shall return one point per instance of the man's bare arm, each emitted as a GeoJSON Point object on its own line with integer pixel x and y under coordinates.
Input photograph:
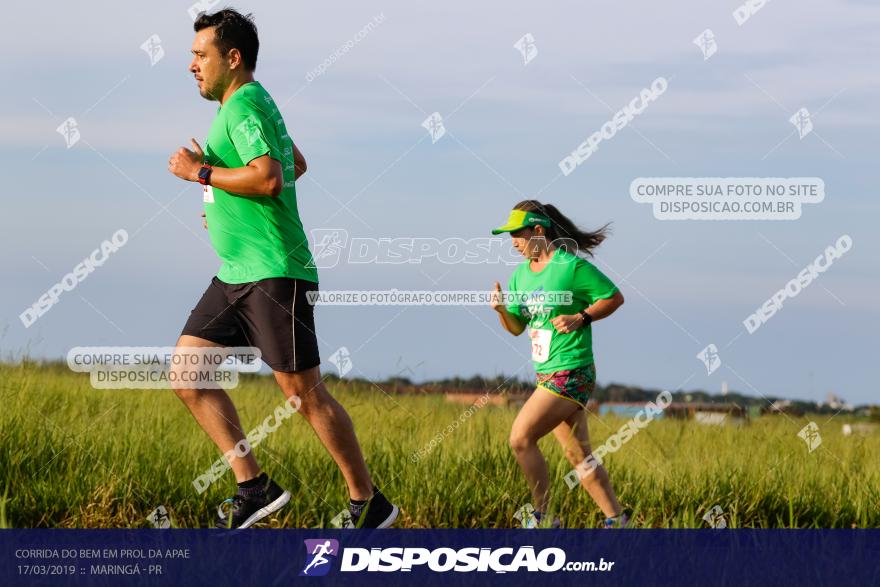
{"type": "Point", "coordinates": [262, 176]}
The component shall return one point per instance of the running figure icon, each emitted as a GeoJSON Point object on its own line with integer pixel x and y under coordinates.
{"type": "Point", "coordinates": [321, 549]}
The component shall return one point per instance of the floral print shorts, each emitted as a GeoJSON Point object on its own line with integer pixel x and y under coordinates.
{"type": "Point", "coordinates": [576, 385]}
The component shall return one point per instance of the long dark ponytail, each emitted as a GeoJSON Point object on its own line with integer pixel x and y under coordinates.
{"type": "Point", "coordinates": [563, 232]}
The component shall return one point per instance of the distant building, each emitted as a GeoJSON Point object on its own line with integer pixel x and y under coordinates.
{"type": "Point", "coordinates": [836, 403]}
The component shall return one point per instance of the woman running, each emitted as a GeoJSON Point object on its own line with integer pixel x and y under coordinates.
{"type": "Point", "coordinates": [562, 353]}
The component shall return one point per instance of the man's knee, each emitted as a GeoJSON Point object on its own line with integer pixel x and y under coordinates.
{"type": "Point", "coordinates": [307, 387]}
{"type": "Point", "coordinates": [183, 378]}
{"type": "Point", "coordinates": [189, 396]}
{"type": "Point", "coordinates": [192, 368]}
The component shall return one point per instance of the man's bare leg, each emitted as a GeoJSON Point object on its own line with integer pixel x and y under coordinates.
{"type": "Point", "coordinates": [214, 411]}
{"type": "Point", "coordinates": [333, 426]}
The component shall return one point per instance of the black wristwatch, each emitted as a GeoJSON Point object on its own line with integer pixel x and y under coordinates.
{"type": "Point", "coordinates": [587, 318]}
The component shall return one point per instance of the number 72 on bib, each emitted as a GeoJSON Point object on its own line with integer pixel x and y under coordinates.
{"type": "Point", "coordinates": [540, 339]}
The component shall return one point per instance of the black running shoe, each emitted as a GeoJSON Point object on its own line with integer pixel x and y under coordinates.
{"type": "Point", "coordinates": [378, 513]}
{"type": "Point", "coordinates": [243, 511]}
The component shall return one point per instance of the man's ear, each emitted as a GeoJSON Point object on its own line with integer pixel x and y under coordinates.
{"type": "Point", "coordinates": [233, 57]}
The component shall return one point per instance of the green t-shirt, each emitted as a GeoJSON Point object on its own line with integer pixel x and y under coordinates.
{"type": "Point", "coordinates": [565, 272]}
{"type": "Point", "coordinates": [256, 237]}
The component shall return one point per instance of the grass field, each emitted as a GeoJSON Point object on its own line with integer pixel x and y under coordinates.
{"type": "Point", "coordinates": [73, 456]}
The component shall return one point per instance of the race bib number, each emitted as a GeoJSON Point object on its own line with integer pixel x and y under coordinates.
{"type": "Point", "coordinates": [208, 194]}
{"type": "Point", "coordinates": [540, 344]}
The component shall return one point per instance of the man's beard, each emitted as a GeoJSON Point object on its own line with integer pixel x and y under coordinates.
{"type": "Point", "coordinates": [213, 94]}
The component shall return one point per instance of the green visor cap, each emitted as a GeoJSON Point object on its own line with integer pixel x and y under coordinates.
{"type": "Point", "coordinates": [521, 219]}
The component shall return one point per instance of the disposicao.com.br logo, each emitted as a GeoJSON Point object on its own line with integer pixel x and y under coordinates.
{"type": "Point", "coordinates": [317, 552]}
{"type": "Point", "coordinates": [444, 559]}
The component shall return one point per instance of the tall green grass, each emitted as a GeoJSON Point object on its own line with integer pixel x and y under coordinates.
{"type": "Point", "coordinates": [73, 456]}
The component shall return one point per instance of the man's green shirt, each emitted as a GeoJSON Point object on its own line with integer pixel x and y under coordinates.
{"type": "Point", "coordinates": [256, 237]}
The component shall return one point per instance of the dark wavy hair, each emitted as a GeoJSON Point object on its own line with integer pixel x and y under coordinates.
{"type": "Point", "coordinates": [233, 29]}
{"type": "Point", "coordinates": [565, 233]}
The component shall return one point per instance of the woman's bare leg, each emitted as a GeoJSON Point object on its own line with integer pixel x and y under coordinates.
{"type": "Point", "coordinates": [572, 434]}
{"type": "Point", "coordinates": [541, 414]}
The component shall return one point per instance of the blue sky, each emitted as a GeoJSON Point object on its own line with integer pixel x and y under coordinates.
{"type": "Point", "coordinates": [687, 284]}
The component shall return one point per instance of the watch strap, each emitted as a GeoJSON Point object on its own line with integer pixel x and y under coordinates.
{"type": "Point", "coordinates": [205, 174]}
{"type": "Point", "coordinates": [587, 319]}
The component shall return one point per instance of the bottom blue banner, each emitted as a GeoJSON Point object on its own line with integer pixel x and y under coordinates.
{"type": "Point", "coordinates": [448, 557]}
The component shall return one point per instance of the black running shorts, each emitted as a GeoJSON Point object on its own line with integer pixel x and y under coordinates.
{"type": "Point", "coordinates": [273, 315]}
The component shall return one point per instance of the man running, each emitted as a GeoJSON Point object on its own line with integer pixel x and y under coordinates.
{"type": "Point", "coordinates": [259, 297]}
